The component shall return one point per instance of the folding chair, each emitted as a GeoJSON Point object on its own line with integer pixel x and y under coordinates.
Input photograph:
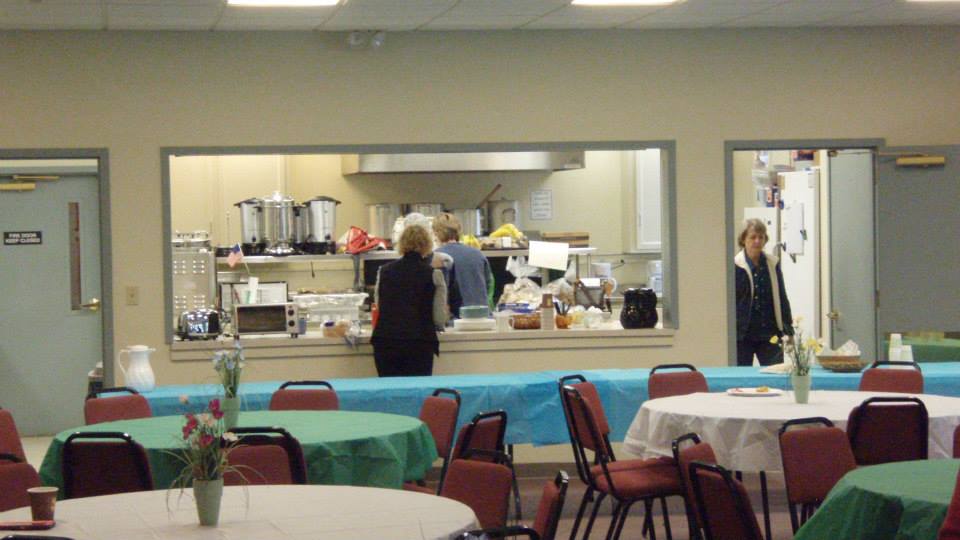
{"type": "Point", "coordinates": [814, 459]}
{"type": "Point", "coordinates": [10, 442]}
{"type": "Point", "coordinates": [481, 480]}
{"type": "Point", "coordinates": [103, 463]}
{"type": "Point", "coordinates": [16, 477]}
{"type": "Point", "coordinates": [544, 524]}
{"type": "Point", "coordinates": [886, 429]}
{"type": "Point", "coordinates": [265, 455]}
{"type": "Point", "coordinates": [881, 377]}
{"type": "Point", "coordinates": [675, 383]}
{"type": "Point", "coordinates": [950, 530]}
{"type": "Point", "coordinates": [697, 451]}
{"type": "Point", "coordinates": [486, 432]}
{"type": "Point", "coordinates": [723, 505]}
{"type": "Point", "coordinates": [440, 414]}
{"type": "Point", "coordinates": [626, 481]}
{"type": "Point", "coordinates": [310, 399]}
{"type": "Point", "coordinates": [97, 409]}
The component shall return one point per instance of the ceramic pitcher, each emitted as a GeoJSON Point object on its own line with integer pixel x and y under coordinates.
{"type": "Point", "coordinates": [138, 375]}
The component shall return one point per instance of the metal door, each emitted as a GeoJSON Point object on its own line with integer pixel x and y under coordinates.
{"type": "Point", "coordinates": [851, 312]}
{"type": "Point", "coordinates": [48, 339]}
{"type": "Point", "coordinates": [918, 241]}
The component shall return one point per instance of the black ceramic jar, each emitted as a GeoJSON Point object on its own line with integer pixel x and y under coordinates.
{"type": "Point", "coordinates": [639, 309]}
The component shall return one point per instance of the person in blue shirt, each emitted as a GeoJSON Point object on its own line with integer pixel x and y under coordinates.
{"type": "Point", "coordinates": [763, 310]}
{"type": "Point", "coordinates": [470, 278]}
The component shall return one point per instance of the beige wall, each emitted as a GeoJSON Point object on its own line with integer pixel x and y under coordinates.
{"type": "Point", "coordinates": [134, 93]}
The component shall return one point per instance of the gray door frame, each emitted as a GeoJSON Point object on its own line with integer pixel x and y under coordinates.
{"type": "Point", "coordinates": [102, 155]}
{"type": "Point", "coordinates": [729, 147]}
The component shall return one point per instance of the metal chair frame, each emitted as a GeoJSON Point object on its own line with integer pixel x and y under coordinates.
{"type": "Point", "coordinates": [806, 509]}
{"type": "Point", "coordinates": [255, 436]}
{"type": "Point", "coordinates": [861, 411]}
{"type": "Point", "coordinates": [747, 518]}
{"type": "Point", "coordinates": [139, 458]}
{"type": "Point", "coordinates": [561, 481]}
{"type": "Point", "coordinates": [439, 392]}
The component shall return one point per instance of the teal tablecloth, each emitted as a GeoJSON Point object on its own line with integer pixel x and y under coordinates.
{"type": "Point", "coordinates": [531, 399]}
{"type": "Point", "coordinates": [340, 447]}
{"type": "Point", "coordinates": [902, 501]}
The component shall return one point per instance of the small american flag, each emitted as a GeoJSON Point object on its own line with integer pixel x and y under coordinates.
{"type": "Point", "coordinates": [235, 256]}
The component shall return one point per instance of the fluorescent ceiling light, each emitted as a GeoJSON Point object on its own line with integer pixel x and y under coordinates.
{"type": "Point", "coordinates": [623, 2]}
{"type": "Point", "coordinates": [283, 3]}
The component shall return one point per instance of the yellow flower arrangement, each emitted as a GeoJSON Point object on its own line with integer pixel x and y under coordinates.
{"type": "Point", "coordinates": [799, 350]}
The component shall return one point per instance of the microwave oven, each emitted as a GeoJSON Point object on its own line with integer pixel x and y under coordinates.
{"type": "Point", "coordinates": [266, 319]}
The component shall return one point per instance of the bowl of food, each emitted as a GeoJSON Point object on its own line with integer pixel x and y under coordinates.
{"type": "Point", "coordinates": [842, 363]}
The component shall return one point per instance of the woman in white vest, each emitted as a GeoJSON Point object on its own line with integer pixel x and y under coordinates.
{"type": "Point", "coordinates": [763, 309]}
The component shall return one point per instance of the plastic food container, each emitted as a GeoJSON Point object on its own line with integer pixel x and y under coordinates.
{"type": "Point", "coordinates": [474, 312]}
{"type": "Point", "coordinates": [330, 307]}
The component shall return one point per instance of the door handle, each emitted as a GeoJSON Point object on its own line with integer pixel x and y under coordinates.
{"type": "Point", "coordinates": [833, 315]}
{"type": "Point", "coordinates": [92, 305]}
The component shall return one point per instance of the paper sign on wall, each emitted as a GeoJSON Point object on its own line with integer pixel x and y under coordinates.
{"type": "Point", "coordinates": [791, 224]}
{"type": "Point", "coordinates": [549, 254]}
{"type": "Point", "coordinates": [541, 204]}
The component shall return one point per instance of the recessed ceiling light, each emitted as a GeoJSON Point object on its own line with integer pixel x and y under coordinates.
{"type": "Point", "coordinates": [623, 2]}
{"type": "Point", "coordinates": [283, 3]}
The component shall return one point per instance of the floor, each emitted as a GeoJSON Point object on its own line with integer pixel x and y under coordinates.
{"type": "Point", "coordinates": [530, 488]}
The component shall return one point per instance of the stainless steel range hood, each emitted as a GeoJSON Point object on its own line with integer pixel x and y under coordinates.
{"type": "Point", "coordinates": [461, 162]}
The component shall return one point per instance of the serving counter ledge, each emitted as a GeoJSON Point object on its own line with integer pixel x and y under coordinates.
{"type": "Point", "coordinates": [313, 344]}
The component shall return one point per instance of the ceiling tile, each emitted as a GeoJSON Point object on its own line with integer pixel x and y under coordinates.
{"type": "Point", "coordinates": [161, 17]}
{"type": "Point", "coordinates": [52, 15]}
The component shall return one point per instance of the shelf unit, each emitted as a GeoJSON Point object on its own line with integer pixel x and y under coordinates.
{"type": "Point", "coordinates": [381, 255]}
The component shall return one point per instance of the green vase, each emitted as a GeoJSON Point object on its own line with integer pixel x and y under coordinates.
{"type": "Point", "coordinates": [801, 387]}
{"type": "Point", "coordinates": [208, 494]}
{"type": "Point", "coordinates": [231, 411]}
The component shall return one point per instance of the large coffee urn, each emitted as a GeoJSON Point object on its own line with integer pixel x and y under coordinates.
{"type": "Point", "coordinates": [251, 225]}
{"type": "Point", "coordinates": [321, 225]}
{"type": "Point", "coordinates": [278, 224]}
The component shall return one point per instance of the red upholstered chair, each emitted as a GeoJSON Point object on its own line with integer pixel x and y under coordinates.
{"type": "Point", "coordinates": [684, 455]}
{"type": "Point", "coordinates": [311, 399]}
{"type": "Point", "coordinates": [956, 442]}
{"type": "Point", "coordinates": [814, 460]}
{"type": "Point", "coordinates": [878, 378]}
{"type": "Point", "coordinates": [439, 412]}
{"type": "Point", "coordinates": [98, 409]}
{"type": "Point", "coordinates": [104, 463]}
{"type": "Point", "coordinates": [626, 481]}
{"type": "Point", "coordinates": [545, 523]}
{"type": "Point", "coordinates": [675, 383]}
{"type": "Point", "coordinates": [886, 429]}
{"type": "Point", "coordinates": [950, 530]}
{"type": "Point", "coordinates": [486, 432]}
{"type": "Point", "coordinates": [265, 455]}
{"type": "Point", "coordinates": [481, 480]}
{"type": "Point", "coordinates": [10, 442]}
{"type": "Point", "coordinates": [16, 477]}
{"type": "Point", "coordinates": [723, 504]}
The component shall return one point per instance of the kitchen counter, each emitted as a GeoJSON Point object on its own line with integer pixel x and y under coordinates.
{"type": "Point", "coordinates": [608, 335]}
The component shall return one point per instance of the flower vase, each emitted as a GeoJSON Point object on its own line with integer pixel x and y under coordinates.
{"type": "Point", "coordinates": [231, 411]}
{"type": "Point", "coordinates": [801, 387]}
{"type": "Point", "coordinates": [208, 494]}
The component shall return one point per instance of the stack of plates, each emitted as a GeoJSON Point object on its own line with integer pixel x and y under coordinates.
{"type": "Point", "coordinates": [468, 325]}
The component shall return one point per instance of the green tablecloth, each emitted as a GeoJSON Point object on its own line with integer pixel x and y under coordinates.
{"type": "Point", "coordinates": [902, 501]}
{"type": "Point", "coordinates": [340, 447]}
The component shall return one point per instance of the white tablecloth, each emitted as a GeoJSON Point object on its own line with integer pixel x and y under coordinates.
{"type": "Point", "coordinates": [302, 512]}
{"type": "Point", "coordinates": [743, 430]}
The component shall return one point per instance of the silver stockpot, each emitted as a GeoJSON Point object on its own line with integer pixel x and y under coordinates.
{"type": "Point", "coordinates": [251, 220]}
{"type": "Point", "coordinates": [382, 216]}
{"type": "Point", "coordinates": [278, 224]}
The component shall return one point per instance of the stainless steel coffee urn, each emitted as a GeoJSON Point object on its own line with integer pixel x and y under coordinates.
{"type": "Point", "coordinates": [426, 208]}
{"type": "Point", "coordinates": [301, 227]}
{"type": "Point", "coordinates": [382, 216]}
{"type": "Point", "coordinates": [251, 225]}
{"type": "Point", "coordinates": [322, 222]}
{"type": "Point", "coordinates": [471, 220]}
{"type": "Point", "coordinates": [278, 224]}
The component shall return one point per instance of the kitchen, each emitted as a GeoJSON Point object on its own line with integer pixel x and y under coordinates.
{"type": "Point", "coordinates": [584, 186]}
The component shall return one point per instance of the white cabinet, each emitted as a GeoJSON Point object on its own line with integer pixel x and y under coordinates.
{"type": "Point", "coordinates": [648, 175]}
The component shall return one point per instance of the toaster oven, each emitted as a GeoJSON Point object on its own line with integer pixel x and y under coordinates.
{"type": "Point", "coordinates": [266, 319]}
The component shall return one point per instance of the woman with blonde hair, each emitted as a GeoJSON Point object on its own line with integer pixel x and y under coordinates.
{"type": "Point", "coordinates": [763, 310]}
{"type": "Point", "coordinates": [412, 300]}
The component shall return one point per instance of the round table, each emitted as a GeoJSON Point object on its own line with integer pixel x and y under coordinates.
{"type": "Point", "coordinates": [906, 500]}
{"type": "Point", "coordinates": [339, 447]}
{"type": "Point", "coordinates": [257, 512]}
{"type": "Point", "coordinates": [743, 430]}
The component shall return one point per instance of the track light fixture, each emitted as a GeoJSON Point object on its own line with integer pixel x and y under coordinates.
{"type": "Point", "coordinates": [360, 39]}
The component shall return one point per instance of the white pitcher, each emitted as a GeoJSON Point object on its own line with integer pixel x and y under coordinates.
{"type": "Point", "coordinates": [139, 375]}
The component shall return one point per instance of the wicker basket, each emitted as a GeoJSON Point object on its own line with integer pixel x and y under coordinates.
{"type": "Point", "coordinates": [526, 321]}
{"type": "Point", "coordinates": [842, 363]}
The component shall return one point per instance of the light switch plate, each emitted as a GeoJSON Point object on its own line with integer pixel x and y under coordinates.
{"type": "Point", "coordinates": [132, 295]}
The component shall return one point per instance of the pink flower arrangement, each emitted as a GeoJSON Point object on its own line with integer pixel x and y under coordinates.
{"type": "Point", "coordinates": [205, 456]}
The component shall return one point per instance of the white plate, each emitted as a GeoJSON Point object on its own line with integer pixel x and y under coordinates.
{"type": "Point", "coordinates": [753, 392]}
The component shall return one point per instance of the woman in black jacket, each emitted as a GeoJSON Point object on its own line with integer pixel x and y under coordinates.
{"type": "Point", "coordinates": [763, 309]}
{"type": "Point", "coordinates": [411, 297]}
